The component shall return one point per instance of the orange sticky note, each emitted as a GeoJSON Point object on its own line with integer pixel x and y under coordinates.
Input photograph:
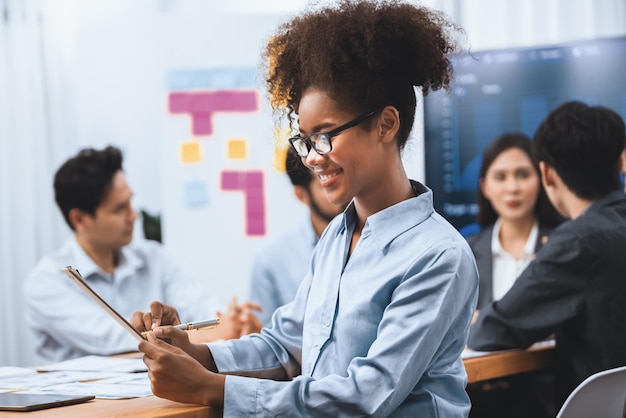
{"type": "Point", "coordinates": [190, 152]}
{"type": "Point", "coordinates": [237, 149]}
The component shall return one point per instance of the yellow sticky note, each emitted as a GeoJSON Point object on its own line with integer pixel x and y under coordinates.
{"type": "Point", "coordinates": [280, 155]}
{"type": "Point", "coordinates": [190, 152]}
{"type": "Point", "coordinates": [281, 145]}
{"type": "Point", "coordinates": [237, 149]}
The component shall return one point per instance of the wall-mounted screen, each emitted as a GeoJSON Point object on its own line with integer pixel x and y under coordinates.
{"type": "Point", "coordinates": [511, 90]}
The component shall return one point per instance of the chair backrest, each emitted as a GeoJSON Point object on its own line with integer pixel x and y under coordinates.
{"type": "Point", "coordinates": [600, 395]}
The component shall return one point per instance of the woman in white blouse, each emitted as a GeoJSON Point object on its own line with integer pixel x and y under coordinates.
{"type": "Point", "coordinates": [514, 213]}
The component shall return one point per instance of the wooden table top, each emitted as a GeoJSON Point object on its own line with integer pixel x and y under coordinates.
{"type": "Point", "coordinates": [506, 363]}
{"type": "Point", "coordinates": [484, 367]}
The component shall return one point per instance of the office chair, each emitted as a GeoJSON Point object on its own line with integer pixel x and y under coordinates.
{"type": "Point", "coordinates": [600, 395]}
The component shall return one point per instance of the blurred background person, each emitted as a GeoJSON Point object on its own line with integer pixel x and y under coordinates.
{"type": "Point", "coordinates": [516, 217]}
{"type": "Point", "coordinates": [94, 198]}
{"type": "Point", "coordinates": [574, 288]}
{"type": "Point", "coordinates": [279, 267]}
{"type": "Point", "coordinates": [623, 169]}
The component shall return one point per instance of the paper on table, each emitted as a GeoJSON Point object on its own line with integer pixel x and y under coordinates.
{"type": "Point", "coordinates": [10, 371]}
{"type": "Point", "coordinates": [99, 389]}
{"type": "Point", "coordinates": [469, 353]}
{"type": "Point", "coordinates": [52, 379]}
{"type": "Point", "coordinates": [104, 385]}
{"type": "Point", "coordinates": [98, 363]}
{"type": "Point", "coordinates": [128, 379]}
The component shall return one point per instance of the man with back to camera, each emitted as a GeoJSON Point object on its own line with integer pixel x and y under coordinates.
{"type": "Point", "coordinates": [576, 286]}
{"type": "Point", "coordinates": [95, 199]}
{"type": "Point", "coordinates": [279, 267]}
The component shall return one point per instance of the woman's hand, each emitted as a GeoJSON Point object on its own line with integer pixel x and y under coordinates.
{"type": "Point", "coordinates": [160, 314]}
{"type": "Point", "coordinates": [176, 375]}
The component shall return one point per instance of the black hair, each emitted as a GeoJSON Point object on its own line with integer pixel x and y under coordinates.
{"type": "Point", "coordinates": [298, 173]}
{"type": "Point", "coordinates": [584, 145]}
{"type": "Point", "coordinates": [545, 213]}
{"type": "Point", "coordinates": [83, 181]}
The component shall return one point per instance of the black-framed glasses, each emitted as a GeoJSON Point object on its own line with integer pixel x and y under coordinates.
{"type": "Point", "coordinates": [320, 141]}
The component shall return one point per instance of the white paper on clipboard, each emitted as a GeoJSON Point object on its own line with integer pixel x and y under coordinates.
{"type": "Point", "coordinates": [75, 276]}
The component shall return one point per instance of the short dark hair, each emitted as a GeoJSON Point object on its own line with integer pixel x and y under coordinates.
{"type": "Point", "coordinates": [298, 173]}
{"type": "Point", "coordinates": [584, 145]}
{"type": "Point", "coordinates": [544, 211]}
{"type": "Point", "coordinates": [83, 181]}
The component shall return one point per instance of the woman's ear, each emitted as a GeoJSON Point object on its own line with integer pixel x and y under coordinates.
{"type": "Point", "coordinates": [389, 123]}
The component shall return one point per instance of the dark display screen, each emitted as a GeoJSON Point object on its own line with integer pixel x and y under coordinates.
{"type": "Point", "coordinates": [501, 91]}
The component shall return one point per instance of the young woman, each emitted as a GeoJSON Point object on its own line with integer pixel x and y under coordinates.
{"type": "Point", "coordinates": [514, 213]}
{"type": "Point", "coordinates": [379, 323]}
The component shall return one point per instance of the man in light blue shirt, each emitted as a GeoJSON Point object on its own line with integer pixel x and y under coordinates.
{"type": "Point", "coordinates": [279, 267]}
{"type": "Point", "coordinates": [66, 323]}
{"type": "Point", "coordinates": [95, 200]}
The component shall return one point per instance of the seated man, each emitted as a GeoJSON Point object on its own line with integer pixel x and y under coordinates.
{"type": "Point", "coordinates": [95, 200]}
{"type": "Point", "coordinates": [280, 266]}
{"type": "Point", "coordinates": [575, 288]}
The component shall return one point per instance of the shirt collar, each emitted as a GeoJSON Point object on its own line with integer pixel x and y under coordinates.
{"type": "Point", "coordinates": [129, 262]}
{"type": "Point", "coordinates": [384, 226]}
{"type": "Point", "coordinates": [529, 248]}
{"type": "Point", "coordinates": [604, 200]}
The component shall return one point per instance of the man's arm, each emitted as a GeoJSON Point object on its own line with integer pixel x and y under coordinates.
{"type": "Point", "coordinates": [550, 291]}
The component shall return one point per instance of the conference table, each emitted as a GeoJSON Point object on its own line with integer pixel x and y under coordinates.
{"type": "Point", "coordinates": [479, 367]}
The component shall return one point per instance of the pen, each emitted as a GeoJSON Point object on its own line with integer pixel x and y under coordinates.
{"type": "Point", "coordinates": [208, 323]}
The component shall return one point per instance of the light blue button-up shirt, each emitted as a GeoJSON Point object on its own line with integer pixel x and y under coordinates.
{"type": "Point", "coordinates": [279, 267]}
{"type": "Point", "coordinates": [66, 323]}
{"type": "Point", "coordinates": [380, 334]}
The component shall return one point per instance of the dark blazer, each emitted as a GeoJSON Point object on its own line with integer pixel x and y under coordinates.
{"type": "Point", "coordinates": [575, 289]}
{"type": "Point", "coordinates": [481, 246]}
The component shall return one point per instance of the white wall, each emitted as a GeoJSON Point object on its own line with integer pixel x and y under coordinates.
{"type": "Point", "coordinates": [503, 24]}
{"type": "Point", "coordinates": [122, 92]}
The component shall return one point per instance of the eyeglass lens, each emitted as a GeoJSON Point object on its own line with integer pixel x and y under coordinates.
{"type": "Point", "coordinates": [319, 140]}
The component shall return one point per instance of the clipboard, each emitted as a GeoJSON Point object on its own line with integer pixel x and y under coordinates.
{"type": "Point", "coordinates": [75, 276]}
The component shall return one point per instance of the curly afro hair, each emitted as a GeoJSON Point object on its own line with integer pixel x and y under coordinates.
{"type": "Point", "coordinates": [366, 54]}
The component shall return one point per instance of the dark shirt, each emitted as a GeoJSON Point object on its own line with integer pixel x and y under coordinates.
{"type": "Point", "coordinates": [481, 247]}
{"type": "Point", "coordinates": [576, 289]}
